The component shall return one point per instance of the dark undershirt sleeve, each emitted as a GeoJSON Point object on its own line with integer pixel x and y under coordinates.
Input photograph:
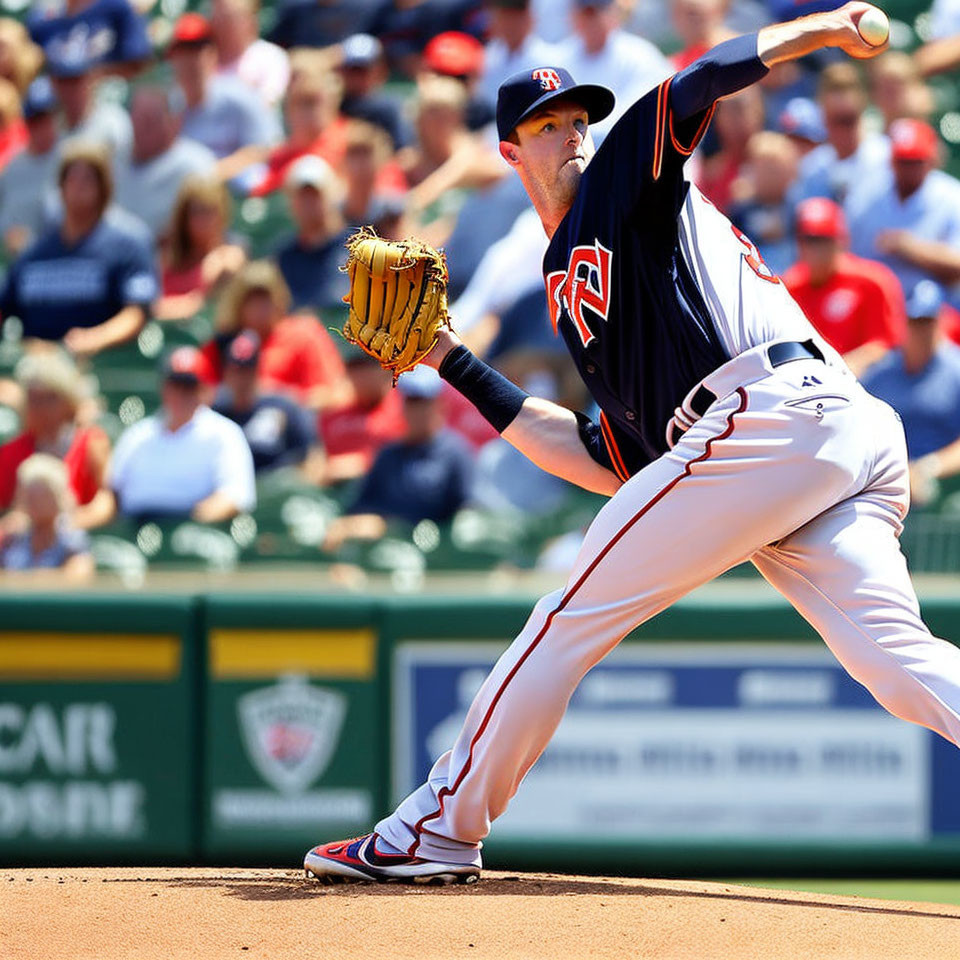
{"type": "Point", "coordinates": [592, 438]}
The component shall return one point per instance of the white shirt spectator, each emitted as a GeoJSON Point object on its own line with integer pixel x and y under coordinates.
{"type": "Point", "coordinates": [499, 62]}
{"type": "Point", "coordinates": [551, 20]}
{"type": "Point", "coordinates": [229, 118]}
{"type": "Point", "coordinates": [263, 67]}
{"type": "Point", "coordinates": [27, 189]}
{"type": "Point", "coordinates": [149, 190]}
{"type": "Point", "coordinates": [823, 174]}
{"type": "Point", "coordinates": [109, 124]}
{"type": "Point", "coordinates": [511, 268]}
{"type": "Point", "coordinates": [629, 65]}
{"type": "Point", "coordinates": [158, 471]}
{"type": "Point", "coordinates": [944, 19]}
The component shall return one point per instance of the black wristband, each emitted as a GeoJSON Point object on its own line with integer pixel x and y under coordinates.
{"type": "Point", "coordinates": [497, 399]}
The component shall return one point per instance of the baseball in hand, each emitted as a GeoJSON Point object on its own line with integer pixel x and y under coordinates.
{"type": "Point", "coordinates": [874, 27]}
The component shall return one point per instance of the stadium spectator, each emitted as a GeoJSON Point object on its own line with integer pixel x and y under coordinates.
{"type": "Point", "coordinates": [279, 432]}
{"type": "Point", "coordinates": [855, 304]}
{"type": "Point", "coordinates": [297, 356]}
{"type": "Point", "coordinates": [699, 25]}
{"type": "Point", "coordinates": [13, 129]}
{"type": "Point", "coordinates": [108, 33]}
{"type": "Point", "coordinates": [147, 184]}
{"type": "Point", "coordinates": [88, 281]}
{"type": "Point", "coordinates": [363, 71]}
{"type": "Point", "coordinates": [921, 382]}
{"type": "Point", "coordinates": [802, 121]}
{"type": "Point", "coordinates": [851, 155]}
{"type": "Point", "coordinates": [185, 460]}
{"type": "Point", "coordinates": [427, 475]}
{"type": "Point", "coordinates": [307, 23]}
{"type": "Point", "coordinates": [27, 182]}
{"type": "Point", "coordinates": [897, 89]}
{"type": "Point", "coordinates": [461, 57]}
{"type": "Point", "coordinates": [762, 209]}
{"type": "Point", "coordinates": [512, 45]}
{"type": "Point", "coordinates": [20, 58]}
{"type": "Point", "coordinates": [242, 53]}
{"type": "Point", "coordinates": [736, 120]}
{"type": "Point", "coordinates": [600, 51]}
{"type": "Point", "coordinates": [49, 542]}
{"type": "Point", "coordinates": [352, 434]}
{"type": "Point", "coordinates": [315, 128]}
{"type": "Point", "coordinates": [53, 392]}
{"type": "Point", "coordinates": [84, 116]}
{"type": "Point", "coordinates": [941, 52]}
{"type": "Point", "coordinates": [369, 171]}
{"type": "Point", "coordinates": [441, 130]}
{"type": "Point", "coordinates": [910, 221]}
{"type": "Point", "coordinates": [310, 262]}
{"type": "Point", "coordinates": [197, 259]}
{"type": "Point", "coordinates": [219, 111]}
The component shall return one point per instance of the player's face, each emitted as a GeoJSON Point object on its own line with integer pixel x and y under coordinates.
{"type": "Point", "coordinates": [554, 150]}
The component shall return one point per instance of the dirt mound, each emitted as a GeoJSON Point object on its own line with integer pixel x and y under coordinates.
{"type": "Point", "coordinates": [209, 914]}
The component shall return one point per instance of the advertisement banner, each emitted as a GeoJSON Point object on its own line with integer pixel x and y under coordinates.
{"type": "Point", "coordinates": [291, 737]}
{"type": "Point", "coordinates": [677, 742]}
{"type": "Point", "coordinates": [95, 747]}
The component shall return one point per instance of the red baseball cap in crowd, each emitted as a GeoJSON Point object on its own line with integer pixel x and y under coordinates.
{"type": "Point", "coordinates": [191, 29]}
{"type": "Point", "coordinates": [912, 140]}
{"type": "Point", "coordinates": [820, 217]}
{"type": "Point", "coordinates": [188, 366]}
{"type": "Point", "coordinates": [454, 54]}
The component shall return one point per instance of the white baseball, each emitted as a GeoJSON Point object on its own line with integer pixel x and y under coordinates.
{"type": "Point", "coordinates": [874, 27]}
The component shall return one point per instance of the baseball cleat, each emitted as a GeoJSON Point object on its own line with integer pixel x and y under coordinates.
{"type": "Point", "coordinates": [358, 861]}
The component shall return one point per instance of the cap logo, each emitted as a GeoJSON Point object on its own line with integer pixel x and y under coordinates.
{"type": "Point", "coordinates": [547, 77]}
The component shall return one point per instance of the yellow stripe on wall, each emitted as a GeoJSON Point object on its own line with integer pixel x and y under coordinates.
{"type": "Point", "coordinates": [25, 655]}
{"type": "Point", "coordinates": [242, 653]}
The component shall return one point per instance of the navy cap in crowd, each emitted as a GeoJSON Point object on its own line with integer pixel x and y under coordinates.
{"type": "Point", "coordinates": [925, 300]}
{"type": "Point", "coordinates": [802, 118]}
{"type": "Point", "coordinates": [39, 98]}
{"type": "Point", "coordinates": [244, 349]}
{"type": "Point", "coordinates": [361, 50]}
{"type": "Point", "coordinates": [521, 95]}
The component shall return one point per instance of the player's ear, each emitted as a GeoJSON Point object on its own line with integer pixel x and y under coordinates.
{"type": "Point", "coordinates": [509, 153]}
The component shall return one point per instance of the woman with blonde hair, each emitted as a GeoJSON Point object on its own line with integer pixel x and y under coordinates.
{"type": "Point", "coordinates": [199, 260]}
{"type": "Point", "coordinates": [49, 542]}
{"type": "Point", "coordinates": [297, 356]}
{"type": "Point", "coordinates": [20, 57]}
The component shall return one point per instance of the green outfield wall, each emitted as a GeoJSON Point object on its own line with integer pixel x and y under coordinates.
{"type": "Point", "coordinates": [242, 728]}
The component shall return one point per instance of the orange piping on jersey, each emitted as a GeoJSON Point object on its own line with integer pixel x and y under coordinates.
{"type": "Point", "coordinates": [701, 130]}
{"type": "Point", "coordinates": [612, 448]}
{"type": "Point", "coordinates": [658, 135]}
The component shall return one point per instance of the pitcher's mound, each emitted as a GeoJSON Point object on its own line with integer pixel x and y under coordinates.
{"type": "Point", "coordinates": [209, 914]}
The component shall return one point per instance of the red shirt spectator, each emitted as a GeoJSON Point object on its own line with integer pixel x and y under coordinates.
{"type": "Point", "coordinates": [855, 304]}
{"type": "Point", "coordinates": [83, 460]}
{"type": "Point", "coordinates": [297, 355]}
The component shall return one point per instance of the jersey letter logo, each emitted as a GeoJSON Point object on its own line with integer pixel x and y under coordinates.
{"type": "Point", "coordinates": [585, 283]}
{"type": "Point", "coordinates": [548, 78]}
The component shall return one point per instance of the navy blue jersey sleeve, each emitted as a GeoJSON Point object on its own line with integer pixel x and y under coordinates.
{"type": "Point", "coordinates": [134, 274]}
{"type": "Point", "coordinates": [651, 142]}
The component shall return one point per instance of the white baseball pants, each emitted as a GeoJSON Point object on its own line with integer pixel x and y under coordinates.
{"type": "Point", "coordinates": [795, 468]}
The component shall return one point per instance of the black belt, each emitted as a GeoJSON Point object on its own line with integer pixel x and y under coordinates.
{"type": "Point", "coordinates": [778, 353]}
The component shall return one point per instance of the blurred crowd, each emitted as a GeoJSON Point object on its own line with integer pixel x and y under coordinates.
{"type": "Point", "coordinates": [190, 180]}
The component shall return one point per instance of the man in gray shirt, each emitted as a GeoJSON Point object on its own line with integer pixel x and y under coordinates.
{"type": "Point", "coordinates": [148, 184]}
{"type": "Point", "coordinates": [27, 185]}
{"type": "Point", "coordinates": [219, 111]}
{"type": "Point", "coordinates": [84, 116]}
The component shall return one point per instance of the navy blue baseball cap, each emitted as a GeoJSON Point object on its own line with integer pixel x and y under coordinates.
{"type": "Point", "coordinates": [521, 95]}
{"type": "Point", "coordinates": [39, 98]}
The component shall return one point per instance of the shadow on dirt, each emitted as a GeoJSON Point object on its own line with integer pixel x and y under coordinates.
{"type": "Point", "coordinates": [278, 887]}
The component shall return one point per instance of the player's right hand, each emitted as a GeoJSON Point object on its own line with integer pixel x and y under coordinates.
{"type": "Point", "coordinates": [848, 36]}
